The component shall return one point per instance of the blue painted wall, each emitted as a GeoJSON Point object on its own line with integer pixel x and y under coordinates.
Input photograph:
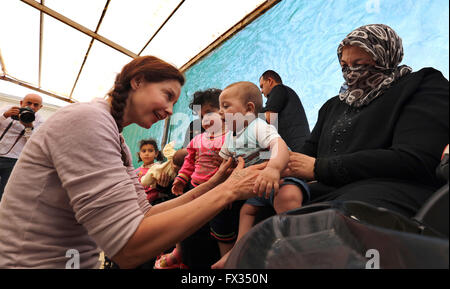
{"type": "Point", "coordinates": [298, 39]}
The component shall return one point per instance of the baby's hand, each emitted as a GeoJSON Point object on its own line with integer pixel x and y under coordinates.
{"type": "Point", "coordinates": [177, 187]}
{"type": "Point", "coordinates": [267, 180]}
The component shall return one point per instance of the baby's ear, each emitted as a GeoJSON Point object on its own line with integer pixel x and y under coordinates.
{"type": "Point", "coordinates": [251, 107]}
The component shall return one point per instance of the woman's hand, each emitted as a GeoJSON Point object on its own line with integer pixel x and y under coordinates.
{"type": "Point", "coordinates": [242, 180]}
{"type": "Point", "coordinates": [224, 171]}
{"type": "Point", "coordinates": [300, 166]}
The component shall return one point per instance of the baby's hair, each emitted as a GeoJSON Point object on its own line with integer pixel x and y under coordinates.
{"type": "Point", "coordinates": [249, 92]}
{"type": "Point", "coordinates": [152, 142]}
{"type": "Point", "coordinates": [178, 157]}
{"type": "Point", "coordinates": [209, 96]}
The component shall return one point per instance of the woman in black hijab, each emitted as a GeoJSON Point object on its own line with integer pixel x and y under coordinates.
{"type": "Point", "coordinates": [380, 140]}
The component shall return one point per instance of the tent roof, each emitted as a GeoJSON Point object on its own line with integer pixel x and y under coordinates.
{"type": "Point", "coordinates": [72, 50]}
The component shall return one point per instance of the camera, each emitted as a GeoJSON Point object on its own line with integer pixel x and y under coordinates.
{"type": "Point", "coordinates": [26, 115]}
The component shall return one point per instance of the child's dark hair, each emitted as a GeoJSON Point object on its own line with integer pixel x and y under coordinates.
{"type": "Point", "coordinates": [159, 156]}
{"type": "Point", "coordinates": [202, 97]}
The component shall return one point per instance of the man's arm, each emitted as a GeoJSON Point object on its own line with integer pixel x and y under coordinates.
{"type": "Point", "coordinates": [6, 113]}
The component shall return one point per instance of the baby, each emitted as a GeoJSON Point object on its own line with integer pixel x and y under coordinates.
{"type": "Point", "coordinates": [256, 141]}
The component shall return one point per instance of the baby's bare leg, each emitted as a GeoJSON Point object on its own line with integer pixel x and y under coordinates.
{"type": "Point", "coordinates": [224, 247]}
{"type": "Point", "coordinates": [288, 198]}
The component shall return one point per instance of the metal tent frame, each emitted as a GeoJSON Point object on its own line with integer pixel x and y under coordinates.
{"type": "Point", "coordinates": [44, 10]}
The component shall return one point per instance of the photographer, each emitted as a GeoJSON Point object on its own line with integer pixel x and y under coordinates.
{"type": "Point", "coordinates": [16, 126]}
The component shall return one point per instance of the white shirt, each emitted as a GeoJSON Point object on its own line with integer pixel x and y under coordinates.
{"type": "Point", "coordinates": [11, 135]}
{"type": "Point", "coordinates": [251, 143]}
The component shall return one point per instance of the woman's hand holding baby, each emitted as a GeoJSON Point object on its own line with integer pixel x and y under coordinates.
{"type": "Point", "coordinates": [242, 180]}
{"type": "Point", "coordinates": [300, 166]}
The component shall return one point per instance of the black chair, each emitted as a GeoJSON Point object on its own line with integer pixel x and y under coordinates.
{"type": "Point", "coordinates": [434, 214]}
{"type": "Point", "coordinates": [338, 235]}
{"type": "Point", "coordinates": [349, 235]}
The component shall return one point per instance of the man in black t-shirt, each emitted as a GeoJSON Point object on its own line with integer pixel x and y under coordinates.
{"type": "Point", "coordinates": [293, 125]}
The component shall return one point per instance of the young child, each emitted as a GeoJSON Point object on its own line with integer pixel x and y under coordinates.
{"type": "Point", "coordinates": [203, 149]}
{"type": "Point", "coordinates": [252, 138]}
{"type": "Point", "coordinates": [148, 152]}
{"type": "Point", "coordinates": [199, 164]}
{"type": "Point", "coordinates": [202, 160]}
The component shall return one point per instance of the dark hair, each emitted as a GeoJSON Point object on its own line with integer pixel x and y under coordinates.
{"type": "Point", "coordinates": [202, 97]}
{"type": "Point", "coordinates": [272, 74]}
{"type": "Point", "coordinates": [149, 68]}
{"type": "Point", "coordinates": [152, 142]}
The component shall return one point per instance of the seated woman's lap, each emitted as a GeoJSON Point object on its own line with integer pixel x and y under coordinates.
{"type": "Point", "coordinates": [404, 197]}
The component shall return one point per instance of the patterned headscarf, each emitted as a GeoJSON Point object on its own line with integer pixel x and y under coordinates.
{"type": "Point", "coordinates": [364, 83]}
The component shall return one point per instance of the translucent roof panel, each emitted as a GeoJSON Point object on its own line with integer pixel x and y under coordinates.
{"type": "Point", "coordinates": [143, 18]}
{"type": "Point", "coordinates": [195, 25]}
{"type": "Point", "coordinates": [10, 88]}
{"type": "Point", "coordinates": [63, 51]}
{"type": "Point", "coordinates": [99, 72]}
{"type": "Point", "coordinates": [127, 26]}
{"type": "Point", "coordinates": [19, 40]}
{"type": "Point", "coordinates": [84, 12]}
